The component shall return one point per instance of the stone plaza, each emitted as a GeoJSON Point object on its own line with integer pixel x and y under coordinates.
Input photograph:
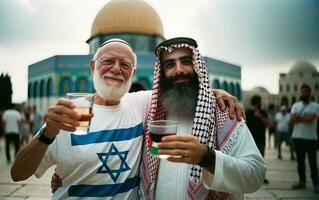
{"type": "Point", "coordinates": [280, 173]}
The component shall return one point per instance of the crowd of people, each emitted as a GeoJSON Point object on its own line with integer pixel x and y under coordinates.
{"type": "Point", "coordinates": [20, 124]}
{"type": "Point", "coordinates": [214, 155]}
{"type": "Point", "coordinates": [297, 128]}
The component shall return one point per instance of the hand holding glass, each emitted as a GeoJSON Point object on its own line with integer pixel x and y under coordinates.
{"type": "Point", "coordinates": [159, 129]}
{"type": "Point", "coordinates": [84, 104]}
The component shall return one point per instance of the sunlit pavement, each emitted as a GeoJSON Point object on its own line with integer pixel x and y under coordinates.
{"type": "Point", "coordinates": [281, 175]}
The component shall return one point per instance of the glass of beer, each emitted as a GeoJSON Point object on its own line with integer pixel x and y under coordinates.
{"type": "Point", "coordinates": [83, 104]}
{"type": "Point", "coordinates": [159, 129]}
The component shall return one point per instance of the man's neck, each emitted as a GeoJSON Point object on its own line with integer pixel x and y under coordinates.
{"type": "Point", "coordinates": [105, 102]}
{"type": "Point", "coordinates": [306, 102]}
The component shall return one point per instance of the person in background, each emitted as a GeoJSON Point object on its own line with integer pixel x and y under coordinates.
{"type": "Point", "coordinates": [36, 119]}
{"type": "Point", "coordinates": [11, 120]}
{"type": "Point", "coordinates": [25, 126]}
{"type": "Point", "coordinates": [282, 131]}
{"type": "Point", "coordinates": [271, 125]}
{"type": "Point", "coordinates": [257, 121]}
{"type": "Point", "coordinates": [135, 87]}
{"type": "Point", "coordinates": [1, 125]}
{"type": "Point", "coordinates": [304, 115]}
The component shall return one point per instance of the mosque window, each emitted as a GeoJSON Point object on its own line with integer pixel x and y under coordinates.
{"type": "Point", "coordinates": [317, 86]}
{"type": "Point", "coordinates": [216, 84]}
{"type": "Point", "coordinates": [296, 87]}
{"type": "Point", "coordinates": [280, 88]}
{"type": "Point", "coordinates": [225, 86]}
{"type": "Point", "coordinates": [49, 91]}
{"type": "Point", "coordinates": [65, 86]}
{"type": "Point", "coordinates": [232, 89]}
{"type": "Point", "coordinates": [35, 90]}
{"type": "Point", "coordinates": [287, 88]}
{"type": "Point", "coordinates": [30, 90]}
{"type": "Point", "coordinates": [42, 88]}
{"type": "Point", "coordinates": [82, 85]}
{"type": "Point", "coordinates": [238, 91]}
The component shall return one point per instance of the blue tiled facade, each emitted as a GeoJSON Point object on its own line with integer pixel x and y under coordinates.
{"type": "Point", "coordinates": [54, 77]}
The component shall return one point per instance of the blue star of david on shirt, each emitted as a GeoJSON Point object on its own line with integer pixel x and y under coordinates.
{"type": "Point", "coordinates": [114, 173]}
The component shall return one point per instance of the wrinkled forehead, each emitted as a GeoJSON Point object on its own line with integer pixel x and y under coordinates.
{"type": "Point", "coordinates": [117, 49]}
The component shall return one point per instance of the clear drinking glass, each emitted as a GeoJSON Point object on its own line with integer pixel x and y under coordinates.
{"type": "Point", "coordinates": [84, 103]}
{"type": "Point", "coordinates": [159, 129]}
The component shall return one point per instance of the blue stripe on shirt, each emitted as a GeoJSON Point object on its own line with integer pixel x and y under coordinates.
{"type": "Point", "coordinates": [103, 190]}
{"type": "Point", "coordinates": [108, 135]}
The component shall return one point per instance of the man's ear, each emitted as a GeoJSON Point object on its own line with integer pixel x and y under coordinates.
{"type": "Point", "coordinates": [133, 71]}
{"type": "Point", "coordinates": [92, 65]}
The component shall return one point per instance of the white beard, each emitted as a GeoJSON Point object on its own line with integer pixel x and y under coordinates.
{"type": "Point", "coordinates": [109, 91]}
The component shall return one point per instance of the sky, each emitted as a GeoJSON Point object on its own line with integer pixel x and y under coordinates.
{"type": "Point", "coordinates": [264, 37]}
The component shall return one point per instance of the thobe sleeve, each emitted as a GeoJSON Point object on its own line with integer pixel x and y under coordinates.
{"type": "Point", "coordinates": [240, 169]}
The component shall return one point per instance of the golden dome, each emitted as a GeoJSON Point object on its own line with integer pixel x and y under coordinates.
{"type": "Point", "coordinates": [127, 16]}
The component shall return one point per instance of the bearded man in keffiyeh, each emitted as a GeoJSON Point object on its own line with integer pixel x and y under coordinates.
{"type": "Point", "coordinates": [212, 156]}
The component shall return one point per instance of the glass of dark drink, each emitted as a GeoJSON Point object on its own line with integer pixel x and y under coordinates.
{"type": "Point", "coordinates": [84, 104]}
{"type": "Point", "coordinates": [159, 129]}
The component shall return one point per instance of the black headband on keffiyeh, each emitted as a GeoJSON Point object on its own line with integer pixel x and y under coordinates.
{"type": "Point", "coordinates": [204, 120]}
{"type": "Point", "coordinates": [178, 40]}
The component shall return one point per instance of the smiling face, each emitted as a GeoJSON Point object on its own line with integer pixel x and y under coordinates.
{"type": "Point", "coordinates": [113, 70]}
{"type": "Point", "coordinates": [177, 65]}
{"type": "Point", "coordinates": [115, 63]}
{"type": "Point", "coordinates": [179, 83]}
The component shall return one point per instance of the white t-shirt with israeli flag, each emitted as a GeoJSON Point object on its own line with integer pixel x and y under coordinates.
{"type": "Point", "coordinates": [104, 163]}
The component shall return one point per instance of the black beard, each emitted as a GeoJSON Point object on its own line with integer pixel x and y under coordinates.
{"type": "Point", "coordinates": [180, 100]}
{"type": "Point", "coordinates": [305, 98]}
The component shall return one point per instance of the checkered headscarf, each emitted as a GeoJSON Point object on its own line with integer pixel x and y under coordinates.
{"type": "Point", "coordinates": [204, 120]}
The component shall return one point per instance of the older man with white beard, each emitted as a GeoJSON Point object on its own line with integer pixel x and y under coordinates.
{"type": "Point", "coordinates": [103, 163]}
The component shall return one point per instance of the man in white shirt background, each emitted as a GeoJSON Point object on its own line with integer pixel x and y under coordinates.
{"type": "Point", "coordinates": [304, 115]}
{"type": "Point", "coordinates": [11, 120]}
{"type": "Point", "coordinates": [282, 130]}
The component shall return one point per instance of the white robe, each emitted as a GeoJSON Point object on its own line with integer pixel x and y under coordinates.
{"type": "Point", "coordinates": [239, 170]}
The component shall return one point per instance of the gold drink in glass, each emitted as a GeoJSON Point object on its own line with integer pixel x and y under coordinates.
{"type": "Point", "coordinates": [84, 104]}
{"type": "Point", "coordinates": [159, 129]}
